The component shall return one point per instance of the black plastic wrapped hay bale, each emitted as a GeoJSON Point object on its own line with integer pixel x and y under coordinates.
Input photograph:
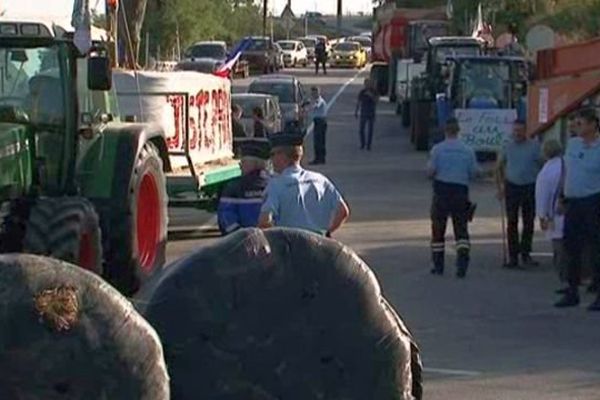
{"type": "Point", "coordinates": [66, 334]}
{"type": "Point", "coordinates": [280, 314]}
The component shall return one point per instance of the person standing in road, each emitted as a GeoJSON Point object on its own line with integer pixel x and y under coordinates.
{"type": "Point", "coordinates": [260, 125]}
{"type": "Point", "coordinates": [297, 198]}
{"type": "Point", "coordinates": [321, 56]}
{"type": "Point", "coordinates": [582, 201]}
{"type": "Point", "coordinates": [548, 187]}
{"type": "Point", "coordinates": [452, 165]}
{"type": "Point", "coordinates": [242, 198]}
{"type": "Point", "coordinates": [366, 105]}
{"type": "Point", "coordinates": [318, 114]}
{"type": "Point", "coordinates": [517, 170]}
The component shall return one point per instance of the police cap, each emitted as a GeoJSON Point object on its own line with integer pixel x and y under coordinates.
{"type": "Point", "coordinates": [286, 139]}
{"type": "Point", "coordinates": [256, 148]}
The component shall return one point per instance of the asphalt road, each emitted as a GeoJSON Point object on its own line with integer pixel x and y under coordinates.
{"type": "Point", "coordinates": [492, 336]}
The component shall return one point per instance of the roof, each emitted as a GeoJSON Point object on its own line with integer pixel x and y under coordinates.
{"type": "Point", "coordinates": [486, 58]}
{"type": "Point", "coordinates": [252, 96]}
{"type": "Point", "coordinates": [275, 78]}
{"type": "Point", "coordinates": [219, 42]}
{"type": "Point", "coordinates": [56, 25]}
{"type": "Point", "coordinates": [439, 40]}
{"type": "Point", "coordinates": [288, 41]}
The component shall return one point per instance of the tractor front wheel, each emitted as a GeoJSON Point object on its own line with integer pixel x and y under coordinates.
{"type": "Point", "coordinates": [137, 231]}
{"type": "Point", "coordinates": [65, 228]}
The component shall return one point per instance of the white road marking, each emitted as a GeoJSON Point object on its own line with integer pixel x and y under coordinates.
{"type": "Point", "coordinates": [455, 372]}
{"type": "Point", "coordinates": [541, 254]}
{"type": "Point", "coordinates": [337, 94]}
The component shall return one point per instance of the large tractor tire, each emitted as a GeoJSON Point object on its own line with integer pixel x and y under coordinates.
{"type": "Point", "coordinates": [280, 314]}
{"type": "Point", "coordinates": [66, 334]}
{"type": "Point", "coordinates": [65, 228]}
{"type": "Point", "coordinates": [136, 231]}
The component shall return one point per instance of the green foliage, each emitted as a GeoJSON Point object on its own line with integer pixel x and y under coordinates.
{"type": "Point", "coordinates": [580, 18]}
{"type": "Point", "coordinates": [195, 20]}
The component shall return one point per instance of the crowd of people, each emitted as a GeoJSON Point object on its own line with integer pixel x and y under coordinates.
{"type": "Point", "coordinates": [560, 187]}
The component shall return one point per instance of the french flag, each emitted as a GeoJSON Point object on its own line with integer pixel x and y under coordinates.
{"type": "Point", "coordinates": [225, 69]}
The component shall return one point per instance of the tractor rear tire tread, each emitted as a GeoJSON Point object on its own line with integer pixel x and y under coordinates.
{"type": "Point", "coordinates": [122, 263]}
{"type": "Point", "coordinates": [56, 226]}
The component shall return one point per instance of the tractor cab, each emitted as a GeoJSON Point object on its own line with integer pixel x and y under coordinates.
{"type": "Point", "coordinates": [42, 99]}
{"type": "Point", "coordinates": [482, 82]}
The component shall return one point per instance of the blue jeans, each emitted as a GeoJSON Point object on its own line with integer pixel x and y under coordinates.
{"type": "Point", "coordinates": [366, 122]}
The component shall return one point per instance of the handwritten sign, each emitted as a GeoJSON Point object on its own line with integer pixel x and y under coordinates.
{"type": "Point", "coordinates": [485, 130]}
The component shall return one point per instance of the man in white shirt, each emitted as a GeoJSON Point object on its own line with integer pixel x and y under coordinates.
{"type": "Point", "coordinates": [548, 188]}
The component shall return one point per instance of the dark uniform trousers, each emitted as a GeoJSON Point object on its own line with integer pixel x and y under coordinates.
{"type": "Point", "coordinates": [582, 228]}
{"type": "Point", "coordinates": [519, 198]}
{"type": "Point", "coordinates": [320, 132]}
{"type": "Point", "coordinates": [321, 60]}
{"type": "Point", "coordinates": [450, 200]}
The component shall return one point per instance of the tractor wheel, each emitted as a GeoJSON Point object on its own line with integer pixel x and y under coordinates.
{"type": "Point", "coordinates": [66, 228]}
{"type": "Point", "coordinates": [136, 231]}
{"type": "Point", "coordinates": [13, 220]}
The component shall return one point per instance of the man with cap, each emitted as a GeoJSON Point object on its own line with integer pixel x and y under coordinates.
{"type": "Point", "coordinates": [516, 173]}
{"type": "Point", "coordinates": [582, 201]}
{"type": "Point", "coordinates": [297, 198]}
{"type": "Point", "coordinates": [241, 200]}
{"type": "Point", "coordinates": [452, 165]}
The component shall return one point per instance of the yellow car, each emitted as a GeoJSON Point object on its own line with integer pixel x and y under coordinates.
{"type": "Point", "coordinates": [348, 54]}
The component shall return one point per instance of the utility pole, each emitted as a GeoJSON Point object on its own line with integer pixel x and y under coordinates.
{"type": "Point", "coordinates": [265, 17]}
{"type": "Point", "coordinates": [339, 18]}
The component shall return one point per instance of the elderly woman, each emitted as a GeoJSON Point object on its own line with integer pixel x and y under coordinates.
{"type": "Point", "coordinates": [548, 191]}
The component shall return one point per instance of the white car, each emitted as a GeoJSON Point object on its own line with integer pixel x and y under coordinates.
{"type": "Point", "coordinates": [294, 53]}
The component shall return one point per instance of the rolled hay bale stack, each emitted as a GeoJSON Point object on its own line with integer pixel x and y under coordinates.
{"type": "Point", "coordinates": [280, 314]}
{"type": "Point", "coordinates": [66, 334]}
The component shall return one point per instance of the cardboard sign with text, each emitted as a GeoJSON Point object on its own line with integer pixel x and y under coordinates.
{"type": "Point", "coordinates": [485, 130]}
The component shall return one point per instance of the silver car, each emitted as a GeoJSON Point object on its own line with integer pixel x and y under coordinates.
{"type": "Point", "coordinates": [291, 94]}
{"type": "Point", "coordinates": [267, 103]}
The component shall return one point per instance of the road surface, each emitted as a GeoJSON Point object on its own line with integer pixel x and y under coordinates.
{"type": "Point", "coordinates": [492, 336]}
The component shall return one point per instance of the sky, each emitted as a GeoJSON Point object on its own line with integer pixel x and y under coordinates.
{"type": "Point", "coordinates": [62, 8]}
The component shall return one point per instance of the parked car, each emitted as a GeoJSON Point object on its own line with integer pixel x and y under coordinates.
{"type": "Point", "coordinates": [207, 56]}
{"type": "Point", "coordinates": [269, 105]}
{"type": "Point", "coordinates": [309, 43]}
{"type": "Point", "coordinates": [365, 42]}
{"type": "Point", "coordinates": [348, 54]}
{"type": "Point", "coordinates": [291, 94]}
{"type": "Point", "coordinates": [294, 53]}
{"type": "Point", "coordinates": [261, 55]}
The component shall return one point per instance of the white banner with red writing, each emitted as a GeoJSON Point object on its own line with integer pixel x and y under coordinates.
{"type": "Point", "coordinates": [160, 97]}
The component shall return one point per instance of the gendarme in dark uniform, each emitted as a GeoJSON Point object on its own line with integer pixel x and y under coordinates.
{"type": "Point", "coordinates": [242, 198]}
{"type": "Point", "coordinates": [452, 166]}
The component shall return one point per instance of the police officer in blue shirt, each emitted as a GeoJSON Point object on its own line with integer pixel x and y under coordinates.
{"type": "Point", "coordinates": [242, 198]}
{"type": "Point", "coordinates": [297, 198]}
{"type": "Point", "coordinates": [318, 114]}
{"type": "Point", "coordinates": [518, 166]}
{"type": "Point", "coordinates": [452, 165]}
{"type": "Point", "coordinates": [582, 200]}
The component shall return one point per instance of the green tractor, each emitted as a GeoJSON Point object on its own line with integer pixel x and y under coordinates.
{"type": "Point", "coordinates": [76, 183]}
